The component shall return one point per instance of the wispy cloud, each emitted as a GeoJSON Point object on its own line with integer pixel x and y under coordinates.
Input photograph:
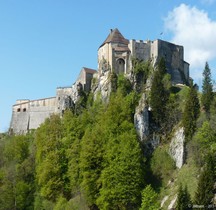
{"type": "Point", "coordinates": [209, 2]}
{"type": "Point", "coordinates": [193, 29]}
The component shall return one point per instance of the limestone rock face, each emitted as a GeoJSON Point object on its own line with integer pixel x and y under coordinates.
{"type": "Point", "coordinates": [75, 92]}
{"type": "Point", "coordinates": [102, 86]}
{"type": "Point", "coordinates": [141, 119]}
{"type": "Point", "coordinates": [177, 147]}
{"type": "Point", "coordinates": [172, 203]}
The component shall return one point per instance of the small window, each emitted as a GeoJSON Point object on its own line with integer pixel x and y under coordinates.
{"type": "Point", "coordinates": [59, 98]}
{"type": "Point", "coordinates": [24, 110]}
{"type": "Point", "coordinates": [18, 110]}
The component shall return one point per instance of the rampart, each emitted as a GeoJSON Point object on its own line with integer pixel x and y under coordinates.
{"type": "Point", "coordinates": [29, 114]}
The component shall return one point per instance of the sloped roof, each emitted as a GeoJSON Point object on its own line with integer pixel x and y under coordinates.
{"type": "Point", "coordinates": [88, 70]}
{"type": "Point", "coordinates": [115, 37]}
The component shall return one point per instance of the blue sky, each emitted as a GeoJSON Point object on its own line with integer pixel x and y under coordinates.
{"type": "Point", "coordinates": [45, 43]}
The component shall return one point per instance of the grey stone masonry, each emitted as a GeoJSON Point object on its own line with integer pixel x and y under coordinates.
{"type": "Point", "coordinates": [115, 54]}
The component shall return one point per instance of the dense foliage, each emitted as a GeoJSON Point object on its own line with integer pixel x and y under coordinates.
{"type": "Point", "coordinates": [183, 199]}
{"type": "Point", "coordinates": [92, 158]}
{"type": "Point", "coordinates": [191, 112]}
{"type": "Point", "coordinates": [159, 95]}
{"type": "Point", "coordinates": [205, 189]}
{"type": "Point", "coordinates": [149, 199]}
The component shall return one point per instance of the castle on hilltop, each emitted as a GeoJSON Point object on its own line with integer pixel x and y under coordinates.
{"type": "Point", "coordinates": [114, 54]}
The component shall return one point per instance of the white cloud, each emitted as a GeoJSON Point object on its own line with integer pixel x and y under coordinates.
{"type": "Point", "coordinates": [193, 29]}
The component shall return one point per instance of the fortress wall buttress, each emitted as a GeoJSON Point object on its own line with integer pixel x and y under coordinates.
{"type": "Point", "coordinates": [30, 114]}
{"type": "Point", "coordinates": [174, 58]}
{"type": "Point", "coordinates": [20, 117]}
{"type": "Point", "coordinates": [38, 115]}
{"type": "Point", "coordinates": [40, 110]}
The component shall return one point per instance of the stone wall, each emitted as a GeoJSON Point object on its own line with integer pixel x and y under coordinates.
{"type": "Point", "coordinates": [140, 49]}
{"type": "Point", "coordinates": [63, 99]}
{"type": "Point", "coordinates": [174, 57]}
{"type": "Point", "coordinates": [28, 114]}
{"type": "Point", "coordinates": [155, 50]}
{"type": "Point", "coordinates": [146, 50]}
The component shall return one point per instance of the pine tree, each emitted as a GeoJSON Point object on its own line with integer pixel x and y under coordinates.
{"type": "Point", "coordinates": [159, 95]}
{"type": "Point", "coordinates": [204, 194]}
{"type": "Point", "coordinates": [149, 199]}
{"type": "Point", "coordinates": [207, 89]}
{"type": "Point", "coordinates": [183, 199]}
{"type": "Point", "coordinates": [191, 112]}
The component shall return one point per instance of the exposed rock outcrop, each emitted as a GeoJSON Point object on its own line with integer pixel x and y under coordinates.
{"type": "Point", "coordinates": [177, 149]}
{"type": "Point", "coordinates": [172, 203]}
{"type": "Point", "coordinates": [141, 118]}
{"type": "Point", "coordinates": [164, 200]}
{"type": "Point", "coordinates": [102, 85]}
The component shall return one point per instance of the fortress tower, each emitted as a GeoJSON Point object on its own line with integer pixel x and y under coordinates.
{"type": "Point", "coordinates": [116, 54]}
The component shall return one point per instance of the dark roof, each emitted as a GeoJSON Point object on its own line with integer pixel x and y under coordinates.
{"type": "Point", "coordinates": [88, 70]}
{"type": "Point", "coordinates": [115, 37]}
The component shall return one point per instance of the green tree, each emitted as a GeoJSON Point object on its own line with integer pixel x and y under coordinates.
{"type": "Point", "coordinates": [141, 72]}
{"type": "Point", "coordinates": [183, 200]}
{"type": "Point", "coordinates": [73, 128]}
{"type": "Point", "coordinates": [122, 176]}
{"type": "Point", "coordinates": [17, 173]}
{"type": "Point", "coordinates": [149, 199]}
{"type": "Point", "coordinates": [207, 89]}
{"type": "Point", "coordinates": [204, 194]}
{"type": "Point", "coordinates": [124, 84]}
{"type": "Point", "coordinates": [91, 163]}
{"type": "Point", "coordinates": [162, 165]}
{"type": "Point", "coordinates": [50, 160]}
{"type": "Point", "coordinates": [204, 141]}
{"type": "Point", "coordinates": [191, 112]}
{"type": "Point", "coordinates": [159, 95]}
{"type": "Point", "coordinates": [110, 154]}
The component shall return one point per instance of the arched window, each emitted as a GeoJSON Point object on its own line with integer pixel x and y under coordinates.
{"type": "Point", "coordinates": [120, 66]}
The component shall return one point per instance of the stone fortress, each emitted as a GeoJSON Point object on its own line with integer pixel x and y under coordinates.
{"type": "Point", "coordinates": [114, 54]}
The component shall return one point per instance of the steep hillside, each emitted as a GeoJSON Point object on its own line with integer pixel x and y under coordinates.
{"type": "Point", "coordinates": [134, 142]}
